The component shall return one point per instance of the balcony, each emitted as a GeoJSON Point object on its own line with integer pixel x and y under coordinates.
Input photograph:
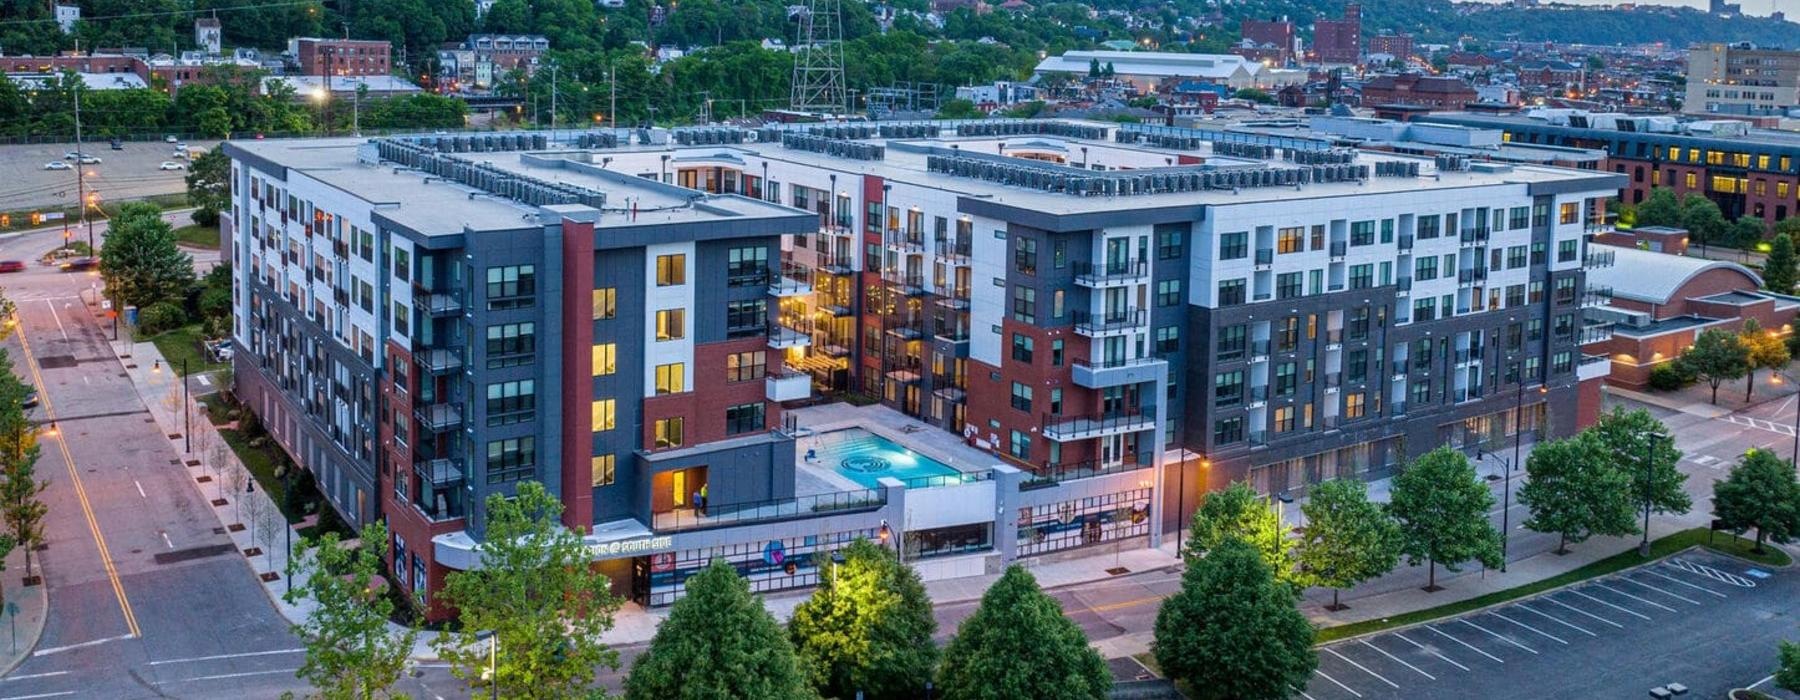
{"type": "Point", "coordinates": [1070, 428]}
{"type": "Point", "coordinates": [1110, 373]}
{"type": "Point", "coordinates": [906, 242]}
{"type": "Point", "coordinates": [1259, 350]}
{"type": "Point", "coordinates": [1110, 324]}
{"type": "Point", "coordinates": [731, 514]}
{"type": "Point", "coordinates": [1110, 274]}
{"type": "Point", "coordinates": [439, 361]}
{"type": "Point", "coordinates": [1333, 381]}
{"type": "Point", "coordinates": [790, 333]}
{"type": "Point", "coordinates": [1596, 333]}
{"type": "Point", "coordinates": [1406, 242]}
{"type": "Point", "coordinates": [1471, 276]}
{"type": "Point", "coordinates": [1593, 367]}
{"type": "Point", "coordinates": [790, 280]}
{"type": "Point", "coordinates": [439, 417]}
{"type": "Point", "coordinates": [949, 332]}
{"type": "Point", "coordinates": [952, 251]}
{"type": "Point", "coordinates": [440, 305]}
{"type": "Point", "coordinates": [1334, 339]}
{"type": "Point", "coordinates": [1265, 257]}
{"type": "Point", "coordinates": [1397, 408]}
{"type": "Point", "coordinates": [1402, 285]}
{"type": "Point", "coordinates": [834, 264]}
{"type": "Point", "coordinates": [1339, 249]}
{"type": "Point", "coordinates": [1258, 395]}
{"type": "Point", "coordinates": [1474, 236]}
{"type": "Point", "coordinates": [1257, 438]}
{"type": "Point", "coordinates": [787, 385]}
{"type": "Point", "coordinates": [1596, 295]}
{"type": "Point", "coordinates": [1598, 258]}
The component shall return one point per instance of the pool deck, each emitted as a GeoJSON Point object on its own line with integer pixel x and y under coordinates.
{"type": "Point", "coordinates": [938, 444]}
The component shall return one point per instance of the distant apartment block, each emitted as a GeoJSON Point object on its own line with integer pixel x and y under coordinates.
{"type": "Point", "coordinates": [484, 59]}
{"type": "Point", "coordinates": [1271, 40]}
{"type": "Point", "coordinates": [1400, 46]}
{"type": "Point", "coordinates": [1740, 80]}
{"type": "Point", "coordinates": [314, 56]}
{"type": "Point", "coordinates": [1339, 41]}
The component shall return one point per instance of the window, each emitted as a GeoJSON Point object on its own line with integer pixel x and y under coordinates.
{"type": "Point", "coordinates": [606, 359]}
{"type": "Point", "coordinates": [1566, 250]}
{"type": "Point", "coordinates": [1515, 295]}
{"type": "Point", "coordinates": [1429, 226]}
{"type": "Point", "coordinates": [1424, 309]}
{"type": "Point", "coordinates": [511, 286]}
{"type": "Point", "coordinates": [667, 432]}
{"type": "Point", "coordinates": [1421, 392]}
{"type": "Point", "coordinates": [671, 324]}
{"type": "Point", "coordinates": [1233, 246]}
{"type": "Point", "coordinates": [1284, 420]}
{"type": "Point", "coordinates": [1228, 430]}
{"type": "Point", "coordinates": [743, 418]}
{"type": "Point", "coordinates": [1168, 292]}
{"type": "Point", "coordinates": [1287, 334]}
{"type": "Point", "coordinates": [1362, 233]}
{"type": "Point", "coordinates": [1056, 304]}
{"type": "Point", "coordinates": [746, 317]}
{"type": "Point", "coordinates": [403, 265]}
{"type": "Point", "coordinates": [1231, 292]}
{"type": "Point", "coordinates": [1362, 276]}
{"type": "Point", "coordinates": [1168, 340]}
{"type": "Point", "coordinates": [604, 468]}
{"type": "Point", "coordinates": [1228, 388]}
{"type": "Point", "coordinates": [511, 344]}
{"type": "Point", "coordinates": [1025, 256]}
{"type": "Point", "coordinates": [1517, 217]}
{"type": "Point", "coordinates": [1168, 242]}
{"type": "Point", "coordinates": [1425, 268]}
{"type": "Point", "coordinates": [1561, 362]}
{"type": "Point", "coordinates": [401, 318]}
{"type": "Point", "coordinates": [1353, 406]}
{"type": "Point", "coordinates": [1290, 240]}
{"type": "Point", "coordinates": [745, 366]}
{"type": "Point", "coordinates": [511, 459]}
{"type": "Point", "coordinates": [1356, 365]}
{"type": "Point", "coordinates": [606, 303]}
{"type": "Point", "coordinates": [746, 266]}
{"type": "Point", "coordinates": [1515, 257]}
{"type": "Point", "coordinates": [1021, 397]}
{"type": "Point", "coordinates": [1019, 446]}
{"type": "Point", "coordinates": [1056, 402]}
{"type": "Point", "coordinates": [1024, 304]}
{"type": "Point", "coordinates": [671, 270]}
{"type": "Point", "coordinates": [511, 402]}
{"type": "Point", "coordinates": [602, 414]}
{"type": "Point", "coordinates": [1022, 346]}
{"type": "Point", "coordinates": [671, 378]}
{"type": "Point", "coordinates": [1056, 353]}
{"type": "Point", "coordinates": [1285, 380]}
{"type": "Point", "coordinates": [1288, 285]}
{"type": "Point", "coordinates": [1230, 343]}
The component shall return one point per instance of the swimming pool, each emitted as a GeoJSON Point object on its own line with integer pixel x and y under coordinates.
{"type": "Point", "coordinates": [864, 457]}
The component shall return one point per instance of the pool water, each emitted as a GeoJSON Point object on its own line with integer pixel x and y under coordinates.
{"type": "Point", "coordinates": [864, 457]}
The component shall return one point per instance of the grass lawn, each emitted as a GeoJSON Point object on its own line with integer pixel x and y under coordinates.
{"type": "Point", "coordinates": [197, 235]}
{"type": "Point", "coordinates": [1722, 542]}
{"type": "Point", "coordinates": [184, 344]}
{"type": "Point", "coordinates": [261, 463]}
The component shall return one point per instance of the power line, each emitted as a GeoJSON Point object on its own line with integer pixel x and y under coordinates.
{"type": "Point", "coordinates": [169, 13]}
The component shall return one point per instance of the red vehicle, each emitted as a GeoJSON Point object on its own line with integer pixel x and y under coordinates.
{"type": "Point", "coordinates": [12, 266]}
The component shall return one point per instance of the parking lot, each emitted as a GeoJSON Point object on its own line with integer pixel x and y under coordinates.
{"type": "Point", "coordinates": [1708, 622]}
{"type": "Point", "coordinates": [130, 173]}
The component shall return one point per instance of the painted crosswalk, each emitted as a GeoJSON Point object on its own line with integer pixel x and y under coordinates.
{"type": "Point", "coordinates": [1760, 424]}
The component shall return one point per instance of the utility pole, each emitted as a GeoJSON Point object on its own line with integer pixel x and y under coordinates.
{"type": "Point", "coordinates": [553, 88]}
{"type": "Point", "coordinates": [612, 97]}
{"type": "Point", "coordinates": [80, 172]}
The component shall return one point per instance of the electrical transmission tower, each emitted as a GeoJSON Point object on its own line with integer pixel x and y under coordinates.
{"type": "Point", "coordinates": [818, 84]}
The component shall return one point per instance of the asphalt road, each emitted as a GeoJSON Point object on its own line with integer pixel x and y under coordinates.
{"type": "Point", "coordinates": [126, 174]}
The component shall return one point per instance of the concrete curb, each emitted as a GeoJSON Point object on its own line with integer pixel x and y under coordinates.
{"type": "Point", "coordinates": [34, 631]}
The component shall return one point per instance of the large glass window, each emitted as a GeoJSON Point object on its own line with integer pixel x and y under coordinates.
{"type": "Point", "coordinates": [511, 402]}
{"type": "Point", "coordinates": [743, 418]}
{"type": "Point", "coordinates": [606, 303]}
{"type": "Point", "coordinates": [511, 286]}
{"type": "Point", "coordinates": [603, 414]}
{"type": "Point", "coordinates": [746, 266]}
{"type": "Point", "coordinates": [511, 344]}
{"type": "Point", "coordinates": [669, 432]}
{"type": "Point", "coordinates": [745, 366]}
{"type": "Point", "coordinates": [671, 270]}
{"type": "Point", "coordinates": [511, 459]}
{"type": "Point", "coordinates": [606, 359]}
{"type": "Point", "coordinates": [671, 378]}
{"type": "Point", "coordinates": [671, 324]}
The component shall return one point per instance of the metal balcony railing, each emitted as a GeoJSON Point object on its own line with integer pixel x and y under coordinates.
{"type": "Point", "coordinates": [1265, 256]}
{"type": "Point", "coordinates": [1090, 274]}
{"type": "Point", "coordinates": [1598, 258]}
{"type": "Point", "coordinates": [1091, 324]}
{"type": "Point", "coordinates": [717, 515]}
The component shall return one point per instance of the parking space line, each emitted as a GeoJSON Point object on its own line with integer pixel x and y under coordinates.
{"type": "Point", "coordinates": [1337, 683]}
{"type": "Point", "coordinates": [1554, 619]}
{"type": "Point", "coordinates": [1558, 640]}
{"type": "Point", "coordinates": [1672, 579]}
{"type": "Point", "coordinates": [1471, 647]}
{"type": "Point", "coordinates": [1428, 650]}
{"type": "Point", "coordinates": [1633, 613]}
{"type": "Point", "coordinates": [1498, 636]}
{"type": "Point", "coordinates": [1305, 695]}
{"type": "Point", "coordinates": [1364, 669]}
{"type": "Point", "coordinates": [1645, 601]}
{"type": "Point", "coordinates": [1583, 612]}
{"type": "Point", "coordinates": [1396, 659]}
{"type": "Point", "coordinates": [1659, 590]}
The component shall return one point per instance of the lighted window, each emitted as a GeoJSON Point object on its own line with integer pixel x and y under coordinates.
{"type": "Point", "coordinates": [603, 415]}
{"type": "Point", "coordinates": [606, 356]}
{"type": "Point", "coordinates": [671, 324]}
{"type": "Point", "coordinates": [669, 432]}
{"type": "Point", "coordinates": [604, 467]}
{"type": "Point", "coordinates": [1568, 213]}
{"type": "Point", "coordinates": [606, 303]}
{"type": "Point", "coordinates": [671, 270]}
{"type": "Point", "coordinates": [671, 378]}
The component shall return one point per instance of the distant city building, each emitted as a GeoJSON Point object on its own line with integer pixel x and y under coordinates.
{"type": "Point", "coordinates": [314, 56]}
{"type": "Point", "coordinates": [1147, 70]}
{"type": "Point", "coordinates": [1720, 7]}
{"type": "Point", "coordinates": [207, 35]}
{"type": "Point", "coordinates": [1400, 46]}
{"type": "Point", "coordinates": [1553, 75]}
{"type": "Point", "coordinates": [1742, 80]}
{"type": "Point", "coordinates": [1339, 40]}
{"type": "Point", "coordinates": [1267, 40]}
{"type": "Point", "coordinates": [999, 94]}
{"type": "Point", "coordinates": [1440, 93]}
{"type": "Point", "coordinates": [484, 59]}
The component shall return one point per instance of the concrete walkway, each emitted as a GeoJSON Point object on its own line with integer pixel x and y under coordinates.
{"type": "Point", "coordinates": [22, 619]}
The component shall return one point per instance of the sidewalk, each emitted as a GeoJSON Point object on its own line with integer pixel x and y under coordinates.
{"type": "Point", "coordinates": [22, 619]}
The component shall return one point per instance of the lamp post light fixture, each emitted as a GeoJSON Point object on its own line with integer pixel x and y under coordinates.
{"type": "Point", "coordinates": [1775, 377]}
{"type": "Point", "coordinates": [187, 412]}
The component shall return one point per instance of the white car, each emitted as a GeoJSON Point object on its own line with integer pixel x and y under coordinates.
{"type": "Point", "coordinates": [90, 160]}
{"type": "Point", "coordinates": [170, 139]}
{"type": "Point", "coordinates": [180, 154]}
{"type": "Point", "coordinates": [71, 155]}
{"type": "Point", "coordinates": [169, 165]}
{"type": "Point", "coordinates": [181, 147]}
{"type": "Point", "coordinates": [57, 165]}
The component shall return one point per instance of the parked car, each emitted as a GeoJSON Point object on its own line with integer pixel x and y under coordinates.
{"type": "Point", "coordinates": [180, 154]}
{"type": "Point", "coordinates": [219, 350]}
{"type": "Point", "coordinates": [90, 160]}
{"type": "Point", "coordinates": [31, 399]}
{"type": "Point", "coordinates": [181, 147]}
{"type": "Point", "coordinates": [169, 165]}
{"type": "Point", "coordinates": [12, 265]}
{"type": "Point", "coordinates": [117, 145]}
{"type": "Point", "coordinates": [170, 139]}
{"type": "Point", "coordinates": [57, 165]}
{"type": "Point", "coordinates": [71, 155]}
{"type": "Point", "coordinates": [79, 264]}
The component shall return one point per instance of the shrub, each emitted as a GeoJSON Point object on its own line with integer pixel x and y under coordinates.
{"type": "Point", "coordinates": [215, 302]}
{"type": "Point", "coordinates": [160, 317]}
{"type": "Point", "coordinates": [1668, 377]}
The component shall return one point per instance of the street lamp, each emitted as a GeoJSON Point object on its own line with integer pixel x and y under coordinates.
{"type": "Point", "coordinates": [187, 412]}
{"type": "Point", "coordinates": [1775, 377]}
{"type": "Point", "coordinates": [1508, 466]}
{"type": "Point", "coordinates": [493, 672]}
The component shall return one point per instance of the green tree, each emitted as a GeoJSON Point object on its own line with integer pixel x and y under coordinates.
{"type": "Point", "coordinates": [1015, 622]}
{"type": "Point", "coordinates": [1716, 356]}
{"type": "Point", "coordinates": [209, 186]}
{"type": "Point", "coordinates": [1347, 539]}
{"type": "Point", "coordinates": [139, 259]}
{"type": "Point", "coordinates": [958, 108]}
{"type": "Point", "coordinates": [1703, 219]}
{"type": "Point", "coordinates": [1779, 271]}
{"type": "Point", "coordinates": [350, 655]}
{"type": "Point", "coordinates": [1628, 438]}
{"type": "Point", "coordinates": [718, 643]}
{"type": "Point", "coordinates": [867, 628]}
{"type": "Point", "coordinates": [1442, 508]}
{"type": "Point", "coordinates": [20, 506]}
{"type": "Point", "coordinates": [1760, 492]}
{"type": "Point", "coordinates": [1745, 233]}
{"type": "Point", "coordinates": [1762, 350]}
{"type": "Point", "coordinates": [1238, 511]}
{"type": "Point", "coordinates": [535, 593]}
{"type": "Point", "coordinates": [1789, 227]}
{"type": "Point", "coordinates": [1575, 491]}
{"type": "Point", "coordinates": [1261, 97]}
{"type": "Point", "coordinates": [1232, 631]}
{"type": "Point", "coordinates": [1661, 208]}
{"type": "Point", "coordinates": [1787, 677]}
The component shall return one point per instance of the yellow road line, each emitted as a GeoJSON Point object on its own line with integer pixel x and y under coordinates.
{"type": "Point", "coordinates": [1126, 603]}
{"type": "Point", "coordinates": [80, 490]}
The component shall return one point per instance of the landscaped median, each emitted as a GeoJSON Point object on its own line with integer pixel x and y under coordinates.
{"type": "Point", "coordinates": [1724, 543]}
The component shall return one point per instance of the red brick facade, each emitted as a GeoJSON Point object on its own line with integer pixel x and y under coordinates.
{"type": "Point", "coordinates": [702, 407]}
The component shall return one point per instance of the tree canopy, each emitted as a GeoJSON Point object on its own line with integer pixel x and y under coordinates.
{"type": "Point", "coordinates": [140, 261]}
{"type": "Point", "coordinates": [1761, 492]}
{"type": "Point", "coordinates": [350, 655]}
{"type": "Point", "coordinates": [867, 627]}
{"type": "Point", "coordinates": [1442, 508]}
{"type": "Point", "coordinates": [1347, 538]}
{"type": "Point", "coordinates": [1576, 491]}
{"type": "Point", "coordinates": [1716, 356]}
{"type": "Point", "coordinates": [1628, 438]}
{"type": "Point", "coordinates": [718, 643]}
{"type": "Point", "coordinates": [1232, 631]}
{"type": "Point", "coordinates": [1015, 623]}
{"type": "Point", "coordinates": [1237, 511]}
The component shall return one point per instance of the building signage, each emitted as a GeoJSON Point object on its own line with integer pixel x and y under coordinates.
{"type": "Point", "coordinates": [640, 545]}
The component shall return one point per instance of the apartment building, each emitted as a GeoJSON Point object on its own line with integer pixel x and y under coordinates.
{"type": "Point", "coordinates": [1096, 322]}
{"type": "Point", "coordinates": [1747, 171]}
{"type": "Point", "coordinates": [1742, 80]}
{"type": "Point", "coordinates": [316, 56]}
